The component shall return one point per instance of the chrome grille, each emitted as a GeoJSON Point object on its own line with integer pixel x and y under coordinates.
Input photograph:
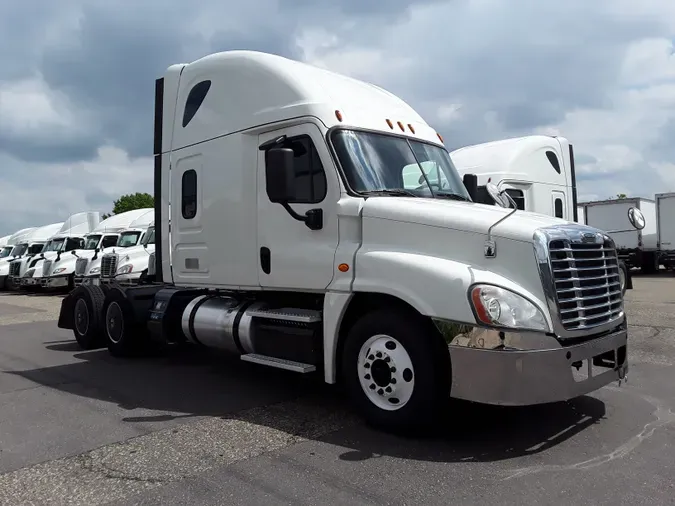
{"type": "Point", "coordinates": [15, 268]}
{"type": "Point", "coordinates": [151, 264]}
{"type": "Point", "coordinates": [108, 265]}
{"type": "Point", "coordinates": [47, 268]}
{"type": "Point", "coordinates": [587, 283]}
{"type": "Point", "coordinates": [81, 266]}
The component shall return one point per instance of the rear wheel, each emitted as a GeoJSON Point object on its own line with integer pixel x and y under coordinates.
{"type": "Point", "coordinates": [396, 370]}
{"type": "Point", "coordinates": [87, 313]}
{"type": "Point", "coordinates": [123, 334]}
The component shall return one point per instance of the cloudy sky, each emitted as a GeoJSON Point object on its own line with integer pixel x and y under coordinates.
{"type": "Point", "coordinates": [77, 78]}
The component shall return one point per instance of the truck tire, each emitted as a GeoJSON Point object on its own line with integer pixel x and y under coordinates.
{"type": "Point", "coordinates": [87, 315]}
{"type": "Point", "coordinates": [396, 370]}
{"type": "Point", "coordinates": [123, 334]}
{"type": "Point", "coordinates": [623, 277]}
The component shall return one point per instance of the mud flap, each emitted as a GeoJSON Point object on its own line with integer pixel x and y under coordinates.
{"type": "Point", "coordinates": [66, 314]}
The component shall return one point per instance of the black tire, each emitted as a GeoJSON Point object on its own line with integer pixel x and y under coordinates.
{"type": "Point", "coordinates": [87, 317]}
{"type": "Point", "coordinates": [124, 336]}
{"type": "Point", "coordinates": [624, 272]}
{"type": "Point", "coordinates": [430, 360]}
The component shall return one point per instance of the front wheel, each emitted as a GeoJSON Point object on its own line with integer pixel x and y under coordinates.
{"type": "Point", "coordinates": [396, 369]}
{"type": "Point", "coordinates": [623, 276]}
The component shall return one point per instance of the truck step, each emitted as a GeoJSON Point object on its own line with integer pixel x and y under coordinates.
{"type": "Point", "coordinates": [279, 363]}
{"type": "Point", "coordinates": [289, 314]}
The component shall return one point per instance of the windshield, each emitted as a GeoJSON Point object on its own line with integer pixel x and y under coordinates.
{"type": "Point", "coordinates": [54, 245]}
{"type": "Point", "coordinates": [375, 162]}
{"type": "Point", "coordinates": [5, 251]}
{"type": "Point", "coordinates": [149, 236]}
{"type": "Point", "coordinates": [19, 250]}
{"type": "Point", "coordinates": [35, 248]}
{"type": "Point", "coordinates": [92, 241]}
{"type": "Point", "coordinates": [128, 239]}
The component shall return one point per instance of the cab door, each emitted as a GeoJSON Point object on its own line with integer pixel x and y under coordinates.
{"type": "Point", "coordinates": [291, 255]}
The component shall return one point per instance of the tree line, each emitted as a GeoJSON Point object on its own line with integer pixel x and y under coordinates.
{"type": "Point", "coordinates": [130, 202]}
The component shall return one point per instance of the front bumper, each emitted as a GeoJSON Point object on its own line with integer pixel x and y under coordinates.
{"type": "Point", "coordinates": [32, 281]}
{"type": "Point", "coordinates": [526, 377]}
{"type": "Point", "coordinates": [54, 282]}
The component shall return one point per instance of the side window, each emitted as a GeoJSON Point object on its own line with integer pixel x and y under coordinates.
{"type": "Point", "coordinates": [553, 158]}
{"type": "Point", "coordinates": [413, 178]}
{"type": "Point", "coordinates": [518, 197]}
{"type": "Point", "coordinates": [108, 241]}
{"type": "Point", "coordinates": [558, 208]}
{"type": "Point", "coordinates": [189, 194]}
{"type": "Point", "coordinates": [310, 178]}
{"type": "Point", "coordinates": [194, 100]}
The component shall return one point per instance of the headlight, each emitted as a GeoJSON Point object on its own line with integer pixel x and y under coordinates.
{"type": "Point", "coordinates": [94, 270]}
{"type": "Point", "coordinates": [59, 270]}
{"type": "Point", "coordinates": [125, 269]}
{"type": "Point", "coordinates": [498, 307]}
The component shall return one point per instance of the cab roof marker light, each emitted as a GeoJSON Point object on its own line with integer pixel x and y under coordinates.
{"type": "Point", "coordinates": [412, 129]}
{"type": "Point", "coordinates": [338, 115]}
{"type": "Point", "coordinates": [391, 125]}
{"type": "Point", "coordinates": [400, 125]}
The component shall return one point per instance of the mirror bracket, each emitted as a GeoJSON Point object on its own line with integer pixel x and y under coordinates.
{"type": "Point", "coordinates": [313, 218]}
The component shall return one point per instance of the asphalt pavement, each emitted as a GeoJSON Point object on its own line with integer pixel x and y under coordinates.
{"type": "Point", "coordinates": [85, 428]}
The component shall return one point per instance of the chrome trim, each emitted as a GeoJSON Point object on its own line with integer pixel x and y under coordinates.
{"type": "Point", "coordinates": [580, 235]}
{"type": "Point", "coordinates": [109, 263]}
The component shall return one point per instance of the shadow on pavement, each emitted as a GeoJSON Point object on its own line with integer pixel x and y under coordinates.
{"type": "Point", "coordinates": [195, 383]}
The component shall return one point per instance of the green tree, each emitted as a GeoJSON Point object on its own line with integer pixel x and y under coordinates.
{"type": "Point", "coordinates": [132, 201]}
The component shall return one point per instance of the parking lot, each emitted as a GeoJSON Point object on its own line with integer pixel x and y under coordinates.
{"type": "Point", "coordinates": [85, 428]}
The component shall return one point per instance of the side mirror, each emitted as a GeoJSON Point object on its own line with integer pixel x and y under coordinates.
{"type": "Point", "coordinates": [497, 195]}
{"type": "Point", "coordinates": [72, 252]}
{"type": "Point", "coordinates": [636, 218]}
{"type": "Point", "coordinates": [280, 175]}
{"type": "Point", "coordinates": [471, 184]}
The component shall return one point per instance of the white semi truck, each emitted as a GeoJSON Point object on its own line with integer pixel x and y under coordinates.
{"type": "Point", "coordinates": [5, 247]}
{"type": "Point", "coordinates": [538, 173]}
{"type": "Point", "coordinates": [665, 234]}
{"type": "Point", "coordinates": [34, 242]}
{"type": "Point", "coordinates": [294, 243]}
{"type": "Point", "coordinates": [635, 247]}
{"type": "Point", "coordinates": [88, 267]}
{"type": "Point", "coordinates": [70, 237]}
{"type": "Point", "coordinates": [60, 273]}
{"type": "Point", "coordinates": [130, 267]}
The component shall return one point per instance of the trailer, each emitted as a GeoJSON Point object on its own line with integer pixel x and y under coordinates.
{"type": "Point", "coordinates": [665, 234]}
{"type": "Point", "coordinates": [296, 244]}
{"type": "Point", "coordinates": [636, 247]}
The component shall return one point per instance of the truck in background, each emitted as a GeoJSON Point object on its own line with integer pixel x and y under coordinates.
{"type": "Point", "coordinates": [132, 264]}
{"type": "Point", "coordinates": [70, 237]}
{"type": "Point", "coordinates": [17, 249]}
{"type": "Point", "coordinates": [105, 264]}
{"type": "Point", "coordinates": [60, 273]}
{"type": "Point", "coordinates": [538, 173]}
{"type": "Point", "coordinates": [5, 247]}
{"type": "Point", "coordinates": [35, 242]}
{"type": "Point", "coordinates": [665, 234]}
{"type": "Point", "coordinates": [295, 243]}
{"type": "Point", "coordinates": [636, 247]}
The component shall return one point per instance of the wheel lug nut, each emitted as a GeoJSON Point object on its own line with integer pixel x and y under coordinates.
{"type": "Point", "coordinates": [388, 390]}
{"type": "Point", "coordinates": [371, 357]}
{"type": "Point", "coordinates": [367, 376]}
{"type": "Point", "coordinates": [393, 381]}
{"type": "Point", "coordinates": [379, 354]}
{"type": "Point", "coordinates": [387, 359]}
{"type": "Point", "coordinates": [372, 386]}
{"type": "Point", "coordinates": [392, 369]}
{"type": "Point", "coordinates": [380, 391]}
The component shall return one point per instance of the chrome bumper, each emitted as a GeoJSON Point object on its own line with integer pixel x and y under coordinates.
{"type": "Point", "coordinates": [54, 282]}
{"type": "Point", "coordinates": [525, 377]}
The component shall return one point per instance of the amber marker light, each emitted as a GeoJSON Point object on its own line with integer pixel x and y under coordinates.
{"type": "Point", "coordinates": [439, 137]}
{"type": "Point", "coordinates": [400, 125]}
{"type": "Point", "coordinates": [391, 125]}
{"type": "Point", "coordinates": [338, 115]}
{"type": "Point", "coordinates": [343, 267]}
{"type": "Point", "coordinates": [411, 128]}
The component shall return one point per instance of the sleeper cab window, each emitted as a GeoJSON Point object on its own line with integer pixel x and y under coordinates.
{"type": "Point", "coordinates": [194, 101]}
{"type": "Point", "coordinates": [189, 194]}
{"type": "Point", "coordinates": [558, 208]}
{"type": "Point", "coordinates": [310, 178]}
{"type": "Point", "coordinates": [553, 159]}
{"type": "Point", "coordinates": [518, 197]}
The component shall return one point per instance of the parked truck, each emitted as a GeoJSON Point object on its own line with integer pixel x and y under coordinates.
{"type": "Point", "coordinates": [17, 249]}
{"type": "Point", "coordinates": [665, 234]}
{"type": "Point", "coordinates": [61, 273]}
{"type": "Point", "coordinates": [70, 237]}
{"type": "Point", "coordinates": [636, 247]}
{"type": "Point", "coordinates": [34, 243]}
{"type": "Point", "coordinates": [538, 173]}
{"type": "Point", "coordinates": [5, 247]}
{"type": "Point", "coordinates": [294, 243]}
{"type": "Point", "coordinates": [130, 266]}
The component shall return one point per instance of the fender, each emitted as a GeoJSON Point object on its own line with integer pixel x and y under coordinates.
{"type": "Point", "coordinates": [435, 287]}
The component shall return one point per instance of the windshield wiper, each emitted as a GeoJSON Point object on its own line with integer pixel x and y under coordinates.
{"type": "Point", "coordinates": [452, 196]}
{"type": "Point", "coordinates": [397, 192]}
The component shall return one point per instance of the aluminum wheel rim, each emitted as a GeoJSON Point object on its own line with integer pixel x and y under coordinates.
{"type": "Point", "coordinates": [386, 372]}
{"type": "Point", "coordinates": [81, 317]}
{"type": "Point", "coordinates": [114, 322]}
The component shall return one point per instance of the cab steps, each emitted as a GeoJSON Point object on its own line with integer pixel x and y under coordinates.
{"type": "Point", "coordinates": [287, 314]}
{"type": "Point", "coordinates": [279, 363]}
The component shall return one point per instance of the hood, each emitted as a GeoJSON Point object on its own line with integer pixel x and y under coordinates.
{"type": "Point", "coordinates": [465, 216]}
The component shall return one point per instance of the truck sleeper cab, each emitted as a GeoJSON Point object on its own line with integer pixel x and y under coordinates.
{"type": "Point", "coordinates": [298, 240]}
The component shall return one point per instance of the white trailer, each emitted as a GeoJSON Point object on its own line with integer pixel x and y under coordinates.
{"type": "Point", "coordinates": [295, 243]}
{"type": "Point", "coordinates": [538, 173]}
{"type": "Point", "coordinates": [665, 234]}
{"type": "Point", "coordinates": [636, 247]}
